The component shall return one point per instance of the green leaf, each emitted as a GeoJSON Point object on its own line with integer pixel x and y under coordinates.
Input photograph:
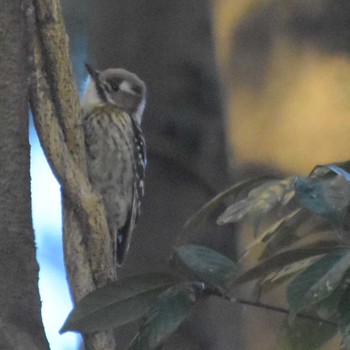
{"type": "Point", "coordinates": [294, 230]}
{"type": "Point", "coordinates": [234, 212]}
{"type": "Point", "coordinates": [268, 198]}
{"type": "Point", "coordinates": [328, 307]}
{"type": "Point", "coordinates": [344, 317]}
{"type": "Point", "coordinates": [304, 334]}
{"type": "Point", "coordinates": [286, 258]}
{"type": "Point", "coordinates": [207, 264]}
{"type": "Point", "coordinates": [259, 202]}
{"type": "Point", "coordinates": [318, 281]}
{"type": "Point", "coordinates": [117, 303]}
{"type": "Point", "coordinates": [280, 277]}
{"type": "Point", "coordinates": [281, 227]}
{"type": "Point", "coordinates": [235, 191]}
{"type": "Point", "coordinates": [276, 277]}
{"type": "Point", "coordinates": [327, 196]}
{"type": "Point", "coordinates": [342, 169]}
{"type": "Point", "coordinates": [170, 309]}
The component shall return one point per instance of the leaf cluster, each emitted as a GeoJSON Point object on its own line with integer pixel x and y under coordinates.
{"type": "Point", "coordinates": [301, 238]}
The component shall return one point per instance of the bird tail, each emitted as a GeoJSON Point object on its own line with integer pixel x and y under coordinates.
{"type": "Point", "coordinates": [123, 239]}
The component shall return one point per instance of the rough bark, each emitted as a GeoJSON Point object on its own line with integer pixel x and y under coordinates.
{"type": "Point", "coordinates": [20, 321]}
{"type": "Point", "coordinates": [88, 250]}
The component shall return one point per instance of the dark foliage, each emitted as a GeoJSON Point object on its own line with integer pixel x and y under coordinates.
{"type": "Point", "coordinates": [301, 238]}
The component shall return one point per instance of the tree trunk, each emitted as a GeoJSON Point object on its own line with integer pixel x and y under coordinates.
{"type": "Point", "coordinates": [20, 321]}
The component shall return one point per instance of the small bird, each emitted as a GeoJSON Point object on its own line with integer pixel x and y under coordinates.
{"type": "Point", "coordinates": [113, 103]}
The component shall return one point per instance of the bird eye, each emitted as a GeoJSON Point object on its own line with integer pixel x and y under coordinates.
{"type": "Point", "coordinates": [114, 86]}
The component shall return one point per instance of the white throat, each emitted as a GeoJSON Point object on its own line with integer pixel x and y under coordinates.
{"type": "Point", "coordinates": [90, 97]}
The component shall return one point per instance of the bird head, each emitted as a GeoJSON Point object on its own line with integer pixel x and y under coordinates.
{"type": "Point", "coordinates": [118, 87]}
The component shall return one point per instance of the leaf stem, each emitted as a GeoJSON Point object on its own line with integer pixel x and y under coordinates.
{"type": "Point", "coordinates": [221, 294]}
{"type": "Point", "coordinates": [279, 309]}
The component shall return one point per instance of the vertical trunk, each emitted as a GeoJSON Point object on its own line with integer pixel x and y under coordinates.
{"type": "Point", "coordinates": [20, 322]}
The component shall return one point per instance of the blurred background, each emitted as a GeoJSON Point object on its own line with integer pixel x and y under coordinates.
{"type": "Point", "coordinates": [236, 89]}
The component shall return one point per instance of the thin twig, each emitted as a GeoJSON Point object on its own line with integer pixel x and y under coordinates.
{"type": "Point", "coordinates": [220, 293]}
{"type": "Point", "coordinates": [281, 310]}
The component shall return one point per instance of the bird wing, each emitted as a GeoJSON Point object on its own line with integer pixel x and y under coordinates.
{"type": "Point", "coordinates": [140, 161]}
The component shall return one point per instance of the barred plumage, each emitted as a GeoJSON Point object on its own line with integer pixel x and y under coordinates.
{"type": "Point", "coordinates": [113, 103]}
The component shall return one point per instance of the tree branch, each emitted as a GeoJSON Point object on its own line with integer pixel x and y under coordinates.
{"type": "Point", "coordinates": [89, 253]}
{"type": "Point", "coordinates": [57, 65]}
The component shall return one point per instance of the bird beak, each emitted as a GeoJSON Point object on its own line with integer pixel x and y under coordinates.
{"type": "Point", "coordinates": [93, 73]}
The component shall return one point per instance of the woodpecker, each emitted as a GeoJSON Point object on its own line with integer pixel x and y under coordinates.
{"type": "Point", "coordinates": [113, 103]}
